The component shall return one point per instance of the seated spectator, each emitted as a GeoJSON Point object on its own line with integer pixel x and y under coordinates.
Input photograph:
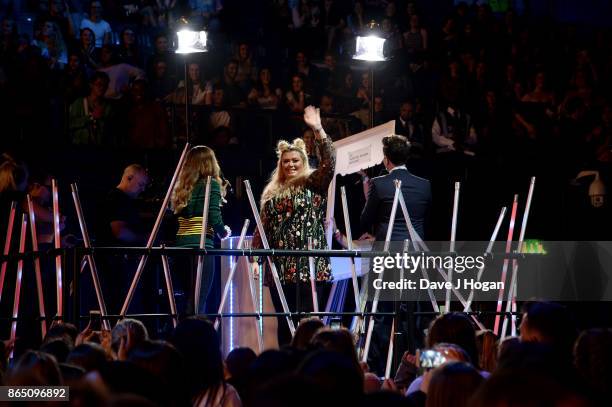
{"type": "Point", "coordinates": [74, 79]}
{"type": "Point", "coordinates": [415, 39]}
{"type": "Point", "coordinates": [332, 76]}
{"type": "Point", "coordinates": [309, 73]}
{"type": "Point", "coordinates": [264, 94]}
{"type": "Point", "coordinates": [126, 335]}
{"type": "Point", "coordinates": [197, 340]}
{"type": "Point", "coordinates": [536, 109]}
{"type": "Point", "coordinates": [164, 361]}
{"type": "Point", "coordinates": [146, 120]}
{"type": "Point", "coordinates": [128, 49]}
{"type": "Point", "coordinates": [90, 117]}
{"type": "Point", "coordinates": [409, 126]}
{"type": "Point", "coordinates": [550, 324]}
{"type": "Point", "coordinates": [593, 361]}
{"type": "Point", "coordinates": [101, 28]}
{"type": "Point", "coordinates": [200, 92]}
{"type": "Point", "coordinates": [234, 95]}
{"type": "Point", "coordinates": [52, 45]}
{"type": "Point", "coordinates": [335, 127]}
{"type": "Point", "coordinates": [247, 70]}
{"type": "Point", "coordinates": [453, 384]}
{"type": "Point", "coordinates": [120, 74]}
{"type": "Point", "coordinates": [455, 329]}
{"type": "Point", "coordinates": [453, 131]}
{"type": "Point", "coordinates": [59, 13]}
{"type": "Point", "coordinates": [89, 356]}
{"type": "Point", "coordinates": [161, 52]}
{"type": "Point", "coordinates": [306, 329]}
{"type": "Point", "coordinates": [41, 365]}
{"type": "Point", "coordinates": [297, 98]}
{"type": "Point", "coordinates": [161, 84]}
{"type": "Point", "coordinates": [237, 365]}
{"type": "Point", "coordinates": [89, 53]}
{"type": "Point", "coordinates": [487, 349]}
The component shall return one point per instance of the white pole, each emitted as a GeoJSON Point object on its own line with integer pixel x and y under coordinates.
{"type": "Point", "coordinates": [313, 284]}
{"type": "Point", "coordinates": [89, 259]}
{"type": "Point", "coordinates": [500, 297]}
{"type": "Point", "coordinates": [452, 242]}
{"type": "Point", "coordinates": [58, 245]}
{"type": "Point", "coordinates": [230, 276]}
{"type": "Point", "coordinates": [169, 289]}
{"type": "Point", "coordinates": [16, 298]}
{"type": "Point", "coordinates": [198, 282]}
{"type": "Point", "coordinates": [500, 219]}
{"type": "Point", "coordinates": [390, 352]}
{"type": "Point", "coordinates": [264, 242]}
{"type": "Point", "coordinates": [396, 198]}
{"type": "Point", "coordinates": [7, 244]}
{"type": "Point", "coordinates": [511, 304]}
{"type": "Point", "coordinates": [153, 235]}
{"type": "Point", "coordinates": [37, 272]}
{"type": "Point", "coordinates": [421, 244]}
{"type": "Point", "coordinates": [349, 240]}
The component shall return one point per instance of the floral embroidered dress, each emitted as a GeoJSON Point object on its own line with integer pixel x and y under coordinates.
{"type": "Point", "coordinates": [296, 214]}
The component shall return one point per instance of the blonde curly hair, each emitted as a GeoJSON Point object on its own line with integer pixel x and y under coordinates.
{"type": "Point", "coordinates": [278, 184]}
{"type": "Point", "coordinates": [200, 163]}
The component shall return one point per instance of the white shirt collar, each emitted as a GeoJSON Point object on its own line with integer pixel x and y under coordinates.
{"type": "Point", "coordinates": [399, 167]}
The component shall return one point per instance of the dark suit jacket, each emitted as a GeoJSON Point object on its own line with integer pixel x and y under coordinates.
{"type": "Point", "coordinates": [377, 211]}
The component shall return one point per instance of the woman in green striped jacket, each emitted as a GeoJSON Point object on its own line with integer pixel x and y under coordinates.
{"type": "Point", "coordinates": [188, 205]}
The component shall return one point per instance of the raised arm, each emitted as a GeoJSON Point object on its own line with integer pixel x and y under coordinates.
{"type": "Point", "coordinates": [319, 180]}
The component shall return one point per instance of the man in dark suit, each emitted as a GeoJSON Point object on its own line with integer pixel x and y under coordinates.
{"type": "Point", "coordinates": [375, 216]}
{"type": "Point", "coordinates": [416, 192]}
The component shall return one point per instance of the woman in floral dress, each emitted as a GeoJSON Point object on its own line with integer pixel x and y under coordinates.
{"type": "Point", "coordinates": [293, 208]}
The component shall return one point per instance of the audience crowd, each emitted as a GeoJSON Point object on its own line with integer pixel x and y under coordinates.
{"type": "Point", "coordinates": [471, 83]}
{"type": "Point", "coordinates": [549, 364]}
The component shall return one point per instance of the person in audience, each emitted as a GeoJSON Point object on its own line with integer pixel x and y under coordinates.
{"type": "Point", "coordinates": [73, 82]}
{"type": "Point", "coordinates": [297, 98]}
{"type": "Point", "coordinates": [90, 356]}
{"type": "Point", "coordinates": [120, 74]}
{"type": "Point", "coordinates": [91, 117]}
{"type": "Point", "coordinates": [161, 84]}
{"type": "Point", "coordinates": [200, 92]}
{"type": "Point", "coordinates": [100, 27]}
{"type": "Point", "coordinates": [247, 70]}
{"type": "Point", "coordinates": [593, 361]}
{"type": "Point", "coordinates": [197, 340]}
{"type": "Point", "coordinates": [147, 122]}
{"type": "Point", "coordinates": [89, 53]}
{"type": "Point", "coordinates": [234, 94]}
{"type": "Point", "coordinates": [187, 203]}
{"type": "Point", "coordinates": [452, 384]}
{"type": "Point", "coordinates": [264, 94]}
{"type": "Point", "coordinates": [128, 48]}
{"type": "Point", "coordinates": [304, 333]}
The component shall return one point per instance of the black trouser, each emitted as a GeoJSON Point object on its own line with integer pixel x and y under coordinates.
{"type": "Point", "coordinates": [299, 299]}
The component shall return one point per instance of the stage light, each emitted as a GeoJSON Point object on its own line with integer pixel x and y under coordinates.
{"type": "Point", "coordinates": [190, 42]}
{"type": "Point", "coordinates": [370, 46]}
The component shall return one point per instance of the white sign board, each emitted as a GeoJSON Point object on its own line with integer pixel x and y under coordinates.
{"type": "Point", "coordinates": [362, 150]}
{"type": "Point", "coordinates": [357, 152]}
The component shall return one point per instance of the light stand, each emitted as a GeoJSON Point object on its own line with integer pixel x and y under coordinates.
{"type": "Point", "coordinates": [370, 48]}
{"type": "Point", "coordinates": [189, 42]}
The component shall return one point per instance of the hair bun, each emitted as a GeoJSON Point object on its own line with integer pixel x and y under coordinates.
{"type": "Point", "coordinates": [282, 146]}
{"type": "Point", "coordinates": [299, 143]}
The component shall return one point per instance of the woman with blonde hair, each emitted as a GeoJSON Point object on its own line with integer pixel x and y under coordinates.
{"type": "Point", "coordinates": [293, 211]}
{"type": "Point", "coordinates": [188, 204]}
